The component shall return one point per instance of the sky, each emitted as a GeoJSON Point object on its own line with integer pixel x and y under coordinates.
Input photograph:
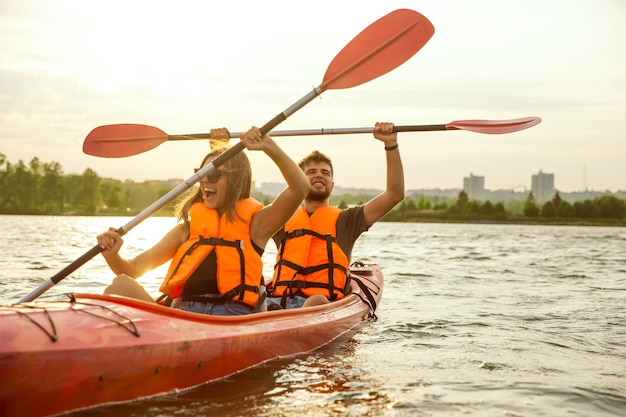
{"type": "Point", "coordinates": [69, 66]}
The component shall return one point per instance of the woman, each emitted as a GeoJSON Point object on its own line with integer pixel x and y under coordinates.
{"type": "Point", "coordinates": [217, 246]}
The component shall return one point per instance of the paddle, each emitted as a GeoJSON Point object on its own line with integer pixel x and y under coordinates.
{"type": "Point", "coordinates": [379, 48]}
{"type": "Point", "coordinates": [121, 140]}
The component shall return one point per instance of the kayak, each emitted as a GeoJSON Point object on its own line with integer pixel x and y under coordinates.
{"type": "Point", "coordinates": [91, 350]}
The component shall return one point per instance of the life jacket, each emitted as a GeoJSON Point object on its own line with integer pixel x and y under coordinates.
{"type": "Point", "coordinates": [239, 266]}
{"type": "Point", "coordinates": [309, 260]}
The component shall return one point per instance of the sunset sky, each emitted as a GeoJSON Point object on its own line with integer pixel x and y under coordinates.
{"type": "Point", "coordinates": [68, 66]}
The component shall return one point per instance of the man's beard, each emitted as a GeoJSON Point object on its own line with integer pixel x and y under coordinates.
{"type": "Point", "coordinates": [315, 195]}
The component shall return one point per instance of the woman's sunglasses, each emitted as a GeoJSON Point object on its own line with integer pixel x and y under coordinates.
{"type": "Point", "coordinates": [212, 177]}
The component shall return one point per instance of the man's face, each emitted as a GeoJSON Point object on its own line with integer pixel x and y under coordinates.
{"type": "Point", "coordinates": [321, 180]}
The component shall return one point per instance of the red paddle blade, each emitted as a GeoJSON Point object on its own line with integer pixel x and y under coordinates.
{"type": "Point", "coordinates": [384, 45]}
{"type": "Point", "coordinates": [120, 140]}
{"type": "Point", "coordinates": [494, 126]}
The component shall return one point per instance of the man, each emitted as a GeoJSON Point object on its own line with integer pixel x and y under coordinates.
{"type": "Point", "coordinates": [315, 245]}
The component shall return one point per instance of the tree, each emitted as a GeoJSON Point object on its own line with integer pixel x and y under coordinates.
{"type": "Point", "coordinates": [565, 210]}
{"type": "Point", "coordinates": [73, 185]}
{"type": "Point", "coordinates": [487, 208]}
{"type": "Point", "coordinates": [408, 209]}
{"type": "Point", "coordinates": [23, 190]}
{"type": "Point", "coordinates": [424, 203]}
{"type": "Point", "coordinates": [584, 209]}
{"type": "Point", "coordinates": [610, 207]}
{"type": "Point", "coordinates": [139, 194]}
{"type": "Point", "coordinates": [113, 198]}
{"type": "Point", "coordinates": [89, 197]}
{"type": "Point", "coordinates": [530, 207]}
{"type": "Point", "coordinates": [462, 201]}
{"type": "Point", "coordinates": [52, 188]}
{"type": "Point", "coordinates": [499, 209]}
{"type": "Point", "coordinates": [472, 207]}
{"type": "Point", "coordinates": [441, 206]}
{"type": "Point", "coordinates": [557, 201]}
{"type": "Point", "coordinates": [548, 209]}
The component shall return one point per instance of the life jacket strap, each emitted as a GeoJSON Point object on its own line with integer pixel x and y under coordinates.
{"type": "Point", "coordinates": [301, 232]}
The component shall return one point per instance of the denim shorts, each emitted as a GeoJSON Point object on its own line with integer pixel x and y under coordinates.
{"type": "Point", "coordinates": [290, 302]}
{"type": "Point", "coordinates": [216, 308]}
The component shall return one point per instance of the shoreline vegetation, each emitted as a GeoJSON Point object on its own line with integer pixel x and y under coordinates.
{"type": "Point", "coordinates": [604, 210]}
{"type": "Point", "coordinates": [40, 188]}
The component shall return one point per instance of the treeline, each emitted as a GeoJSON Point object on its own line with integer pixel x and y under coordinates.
{"type": "Point", "coordinates": [42, 188]}
{"type": "Point", "coordinates": [606, 208]}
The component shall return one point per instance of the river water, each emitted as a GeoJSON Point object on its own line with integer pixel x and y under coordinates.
{"type": "Point", "coordinates": [478, 320]}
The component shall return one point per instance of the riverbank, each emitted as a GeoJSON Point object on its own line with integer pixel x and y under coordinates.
{"type": "Point", "coordinates": [530, 221]}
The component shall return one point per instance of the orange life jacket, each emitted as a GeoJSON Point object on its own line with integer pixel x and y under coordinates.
{"type": "Point", "coordinates": [309, 260]}
{"type": "Point", "coordinates": [239, 266]}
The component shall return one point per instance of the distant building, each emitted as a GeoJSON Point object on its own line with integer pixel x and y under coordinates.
{"type": "Point", "coordinates": [272, 188]}
{"type": "Point", "coordinates": [474, 186]}
{"type": "Point", "coordinates": [543, 187]}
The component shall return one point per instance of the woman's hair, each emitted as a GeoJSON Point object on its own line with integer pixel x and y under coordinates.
{"type": "Point", "coordinates": [239, 182]}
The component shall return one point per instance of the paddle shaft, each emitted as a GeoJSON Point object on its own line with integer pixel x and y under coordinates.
{"type": "Point", "coordinates": [479, 126]}
{"type": "Point", "coordinates": [324, 131]}
{"type": "Point", "coordinates": [163, 201]}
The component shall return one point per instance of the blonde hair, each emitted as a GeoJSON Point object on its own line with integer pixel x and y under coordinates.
{"type": "Point", "coordinates": [239, 183]}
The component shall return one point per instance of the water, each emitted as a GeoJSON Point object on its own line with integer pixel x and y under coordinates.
{"type": "Point", "coordinates": [480, 320]}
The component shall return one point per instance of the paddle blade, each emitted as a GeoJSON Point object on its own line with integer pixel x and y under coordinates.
{"type": "Point", "coordinates": [383, 45]}
{"type": "Point", "coordinates": [494, 126]}
{"type": "Point", "coordinates": [120, 140]}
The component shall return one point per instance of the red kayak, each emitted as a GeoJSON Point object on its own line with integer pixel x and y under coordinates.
{"type": "Point", "coordinates": [61, 356]}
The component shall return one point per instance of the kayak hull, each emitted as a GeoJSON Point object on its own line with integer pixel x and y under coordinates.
{"type": "Point", "coordinates": [62, 356]}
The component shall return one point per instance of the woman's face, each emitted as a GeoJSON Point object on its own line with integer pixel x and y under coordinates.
{"type": "Point", "coordinates": [213, 188]}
